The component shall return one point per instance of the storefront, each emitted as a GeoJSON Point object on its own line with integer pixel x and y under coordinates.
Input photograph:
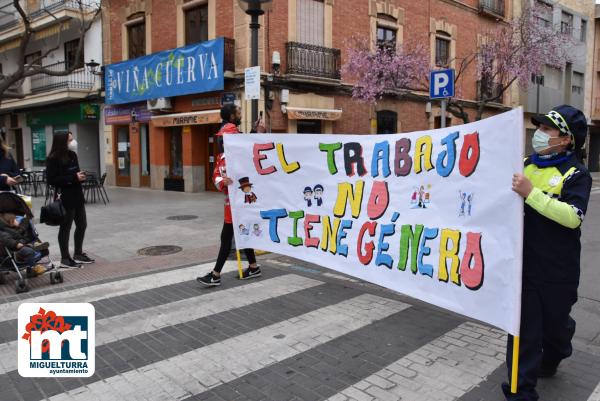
{"type": "Point", "coordinates": [172, 146]}
{"type": "Point", "coordinates": [309, 113]}
{"type": "Point", "coordinates": [185, 148]}
{"type": "Point", "coordinates": [130, 143]}
{"type": "Point", "coordinates": [81, 119]}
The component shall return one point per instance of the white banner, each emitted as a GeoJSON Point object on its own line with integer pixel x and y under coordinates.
{"type": "Point", "coordinates": [429, 214]}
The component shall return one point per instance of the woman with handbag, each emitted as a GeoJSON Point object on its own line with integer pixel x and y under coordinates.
{"type": "Point", "coordinates": [62, 171]}
{"type": "Point", "coordinates": [8, 168]}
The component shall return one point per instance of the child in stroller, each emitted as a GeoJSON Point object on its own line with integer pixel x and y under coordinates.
{"type": "Point", "coordinates": [20, 247]}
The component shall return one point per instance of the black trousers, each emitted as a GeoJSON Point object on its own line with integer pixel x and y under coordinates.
{"type": "Point", "coordinates": [546, 333]}
{"type": "Point", "coordinates": [226, 241]}
{"type": "Point", "coordinates": [79, 217]}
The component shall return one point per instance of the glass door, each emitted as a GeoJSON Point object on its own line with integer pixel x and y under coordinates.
{"type": "Point", "coordinates": [122, 155]}
{"type": "Point", "coordinates": [176, 165]}
{"type": "Point", "coordinates": [144, 155]}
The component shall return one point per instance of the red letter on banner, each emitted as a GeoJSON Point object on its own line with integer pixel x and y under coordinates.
{"type": "Point", "coordinates": [260, 147]}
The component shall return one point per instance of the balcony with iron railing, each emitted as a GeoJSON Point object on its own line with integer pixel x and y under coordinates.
{"type": "Point", "coordinates": [80, 78]}
{"type": "Point", "coordinates": [51, 6]}
{"type": "Point", "coordinates": [494, 8]}
{"type": "Point", "coordinates": [9, 17]}
{"type": "Point", "coordinates": [490, 91]}
{"type": "Point", "coordinates": [313, 61]}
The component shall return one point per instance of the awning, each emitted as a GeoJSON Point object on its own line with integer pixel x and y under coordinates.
{"type": "Point", "coordinates": [194, 118]}
{"type": "Point", "coordinates": [303, 113]}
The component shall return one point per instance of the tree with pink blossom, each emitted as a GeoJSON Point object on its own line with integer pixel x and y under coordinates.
{"type": "Point", "coordinates": [511, 52]}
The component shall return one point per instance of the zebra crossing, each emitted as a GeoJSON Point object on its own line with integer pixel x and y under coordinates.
{"type": "Point", "coordinates": [287, 336]}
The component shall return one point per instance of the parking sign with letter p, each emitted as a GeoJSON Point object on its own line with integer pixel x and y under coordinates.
{"type": "Point", "coordinates": [441, 83]}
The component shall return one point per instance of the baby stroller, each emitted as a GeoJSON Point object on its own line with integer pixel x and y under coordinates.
{"type": "Point", "coordinates": [13, 203]}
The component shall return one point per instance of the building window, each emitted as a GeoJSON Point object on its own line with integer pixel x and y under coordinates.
{"type": "Point", "coordinates": [310, 21]}
{"type": "Point", "coordinates": [386, 37]}
{"type": "Point", "coordinates": [543, 13]}
{"type": "Point", "coordinates": [196, 25]}
{"type": "Point", "coordinates": [552, 78]}
{"type": "Point", "coordinates": [437, 122]}
{"type": "Point", "coordinates": [442, 49]}
{"type": "Point", "coordinates": [309, 127]}
{"type": "Point", "coordinates": [566, 23]}
{"type": "Point", "coordinates": [34, 59]}
{"type": "Point", "coordinates": [537, 79]}
{"type": "Point", "coordinates": [136, 40]}
{"type": "Point", "coordinates": [577, 83]}
{"type": "Point", "coordinates": [71, 53]}
{"type": "Point", "coordinates": [583, 32]}
{"type": "Point", "coordinates": [387, 122]}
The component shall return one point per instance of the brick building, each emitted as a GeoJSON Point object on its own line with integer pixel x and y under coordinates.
{"type": "Point", "coordinates": [301, 51]}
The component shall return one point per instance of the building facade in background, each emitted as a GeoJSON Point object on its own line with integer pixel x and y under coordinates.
{"type": "Point", "coordinates": [161, 143]}
{"type": "Point", "coordinates": [41, 105]}
{"type": "Point", "coordinates": [572, 84]}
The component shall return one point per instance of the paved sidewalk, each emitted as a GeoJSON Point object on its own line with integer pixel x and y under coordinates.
{"type": "Point", "coordinates": [136, 219]}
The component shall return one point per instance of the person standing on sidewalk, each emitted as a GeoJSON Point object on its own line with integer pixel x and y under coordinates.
{"type": "Point", "coordinates": [231, 116]}
{"type": "Point", "coordinates": [8, 168]}
{"type": "Point", "coordinates": [63, 172]}
{"type": "Point", "coordinates": [556, 188]}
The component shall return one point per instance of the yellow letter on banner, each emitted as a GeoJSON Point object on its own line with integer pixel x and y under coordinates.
{"type": "Point", "coordinates": [452, 253]}
{"type": "Point", "coordinates": [423, 141]}
{"type": "Point", "coordinates": [345, 194]}
{"type": "Point", "coordinates": [287, 167]}
{"type": "Point", "coordinates": [329, 238]}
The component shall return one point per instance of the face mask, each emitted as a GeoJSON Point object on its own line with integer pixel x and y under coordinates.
{"type": "Point", "coordinates": [73, 146]}
{"type": "Point", "coordinates": [540, 141]}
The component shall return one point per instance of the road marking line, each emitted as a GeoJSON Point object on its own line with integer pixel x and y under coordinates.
{"type": "Point", "coordinates": [196, 371]}
{"type": "Point", "coordinates": [141, 321]}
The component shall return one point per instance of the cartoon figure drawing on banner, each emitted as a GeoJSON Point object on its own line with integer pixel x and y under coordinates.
{"type": "Point", "coordinates": [463, 202]}
{"type": "Point", "coordinates": [246, 188]}
{"type": "Point", "coordinates": [244, 230]}
{"type": "Point", "coordinates": [470, 202]}
{"type": "Point", "coordinates": [319, 194]}
{"type": "Point", "coordinates": [420, 198]}
{"type": "Point", "coordinates": [308, 193]}
{"type": "Point", "coordinates": [466, 203]}
{"type": "Point", "coordinates": [256, 231]}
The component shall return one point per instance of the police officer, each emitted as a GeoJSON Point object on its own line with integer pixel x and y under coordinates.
{"type": "Point", "coordinates": [556, 188]}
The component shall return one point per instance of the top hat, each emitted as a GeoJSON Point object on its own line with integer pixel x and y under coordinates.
{"type": "Point", "coordinates": [245, 182]}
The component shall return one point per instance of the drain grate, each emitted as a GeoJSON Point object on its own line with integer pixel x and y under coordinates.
{"type": "Point", "coordinates": [183, 217]}
{"type": "Point", "coordinates": [159, 250]}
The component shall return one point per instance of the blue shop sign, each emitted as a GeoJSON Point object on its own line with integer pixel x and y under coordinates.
{"type": "Point", "coordinates": [191, 69]}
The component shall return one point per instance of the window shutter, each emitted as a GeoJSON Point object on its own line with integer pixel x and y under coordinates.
{"type": "Point", "coordinates": [310, 15]}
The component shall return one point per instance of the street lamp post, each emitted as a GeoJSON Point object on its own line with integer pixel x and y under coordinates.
{"type": "Point", "coordinates": [254, 8]}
